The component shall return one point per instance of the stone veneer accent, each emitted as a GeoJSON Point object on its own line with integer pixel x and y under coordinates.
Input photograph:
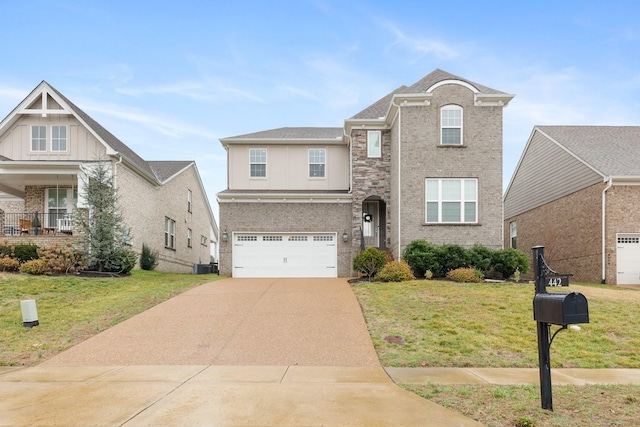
{"type": "Point", "coordinates": [371, 179]}
{"type": "Point", "coordinates": [286, 218]}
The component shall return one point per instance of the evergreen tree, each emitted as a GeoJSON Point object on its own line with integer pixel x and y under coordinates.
{"type": "Point", "coordinates": [107, 239]}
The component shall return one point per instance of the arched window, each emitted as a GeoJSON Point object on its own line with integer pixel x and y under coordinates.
{"type": "Point", "coordinates": [451, 125]}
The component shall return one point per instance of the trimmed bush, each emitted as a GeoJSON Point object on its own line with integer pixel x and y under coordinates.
{"type": "Point", "coordinates": [369, 262]}
{"type": "Point", "coordinates": [395, 271]}
{"type": "Point", "coordinates": [9, 264]}
{"type": "Point", "coordinates": [452, 257]}
{"type": "Point", "coordinates": [480, 257]}
{"type": "Point", "coordinates": [422, 256]}
{"type": "Point", "coordinates": [62, 259]}
{"type": "Point", "coordinates": [20, 252]}
{"type": "Point", "coordinates": [35, 266]}
{"type": "Point", "coordinates": [465, 275]}
{"type": "Point", "coordinates": [507, 261]}
{"type": "Point", "coordinates": [148, 258]}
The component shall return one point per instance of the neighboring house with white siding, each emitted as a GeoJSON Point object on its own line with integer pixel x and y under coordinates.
{"type": "Point", "coordinates": [47, 145]}
{"type": "Point", "coordinates": [423, 162]}
{"type": "Point", "coordinates": [576, 191]}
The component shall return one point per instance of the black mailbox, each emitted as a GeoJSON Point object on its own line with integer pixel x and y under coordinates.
{"type": "Point", "coordinates": [560, 308]}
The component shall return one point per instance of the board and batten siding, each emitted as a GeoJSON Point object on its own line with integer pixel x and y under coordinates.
{"type": "Point", "coordinates": [546, 173]}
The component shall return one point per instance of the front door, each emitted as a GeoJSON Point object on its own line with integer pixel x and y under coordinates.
{"type": "Point", "coordinates": [371, 224]}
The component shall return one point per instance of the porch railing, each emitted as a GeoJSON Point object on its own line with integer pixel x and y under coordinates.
{"type": "Point", "coordinates": [34, 223]}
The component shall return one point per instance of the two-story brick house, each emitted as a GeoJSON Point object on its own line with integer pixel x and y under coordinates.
{"type": "Point", "coordinates": [47, 147]}
{"type": "Point", "coordinates": [424, 162]}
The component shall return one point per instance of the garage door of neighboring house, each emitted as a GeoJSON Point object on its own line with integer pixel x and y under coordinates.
{"type": "Point", "coordinates": [628, 256]}
{"type": "Point", "coordinates": [285, 255]}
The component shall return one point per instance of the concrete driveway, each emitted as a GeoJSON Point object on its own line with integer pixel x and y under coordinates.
{"type": "Point", "coordinates": [237, 352]}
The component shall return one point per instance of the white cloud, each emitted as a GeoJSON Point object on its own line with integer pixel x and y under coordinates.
{"type": "Point", "coordinates": [420, 45]}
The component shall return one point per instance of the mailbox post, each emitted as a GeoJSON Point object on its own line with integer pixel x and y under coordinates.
{"type": "Point", "coordinates": [552, 308]}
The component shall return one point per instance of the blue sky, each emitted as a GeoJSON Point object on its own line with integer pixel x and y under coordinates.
{"type": "Point", "coordinates": [170, 78]}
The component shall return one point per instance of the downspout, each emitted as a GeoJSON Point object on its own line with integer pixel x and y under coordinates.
{"type": "Point", "coordinates": [604, 225]}
{"type": "Point", "coordinates": [399, 179]}
{"type": "Point", "coordinates": [350, 161]}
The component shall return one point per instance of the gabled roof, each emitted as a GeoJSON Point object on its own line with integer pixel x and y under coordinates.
{"type": "Point", "coordinates": [289, 134]}
{"type": "Point", "coordinates": [165, 170]}
{"type": "Point", "coordinates": [613, 151]}
{"type": "Point", "coordinates": [380, 108]}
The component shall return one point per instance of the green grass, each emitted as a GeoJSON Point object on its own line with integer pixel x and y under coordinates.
{"type": "Point", "coordinates": [72, 309]}
{"type": "Point", "coordinates": [491, 325]}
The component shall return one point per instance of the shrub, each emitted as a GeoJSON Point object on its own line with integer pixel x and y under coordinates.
{"type": "Point", "coordinates": [422, 256]}
{"type": "Point", "coordinates": [121, 262]}
{"type": "Point", "coordinates": [62, 259]}
{"type": "Point", "coordinates": [507, 261]}
{"type": "Point", "coordinates": [465, 275]}
{"type": "Point", "coordinates": [9, 264]}
{"type": "Point", "coordinates": [20, 252]}
{"type": "Point", "coordinates": [452, 257]}
{"type": "Point", "coordinates": [480, 257]}
{"type": "Point", "coordinates": [428, 274]}
{"type": "Point", "coordinates": [369, 262]}
{"type": "Point", "coordinates": [148, 258]}
{"type": "Point", "coordinates": [395, 271]}
{"type": "Point", "coordinates": [35, 267]}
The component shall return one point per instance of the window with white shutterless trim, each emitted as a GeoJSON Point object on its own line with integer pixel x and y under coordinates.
{"type": "Point", "coordinates": [258, 162]}
{"type": "Point", "coordinates": [317, 162]}
{"type": "Point", "coordinates": [451, 125]}
{"type": "Point", "coordinates": [374, 143]}
{"type": "Point", "coordinates": [451, 200]}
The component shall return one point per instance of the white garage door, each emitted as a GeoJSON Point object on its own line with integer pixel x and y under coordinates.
{"type": "Point", "coordinates": [628, 256]}
{"type": "Point", "coordinates": [285, 255]}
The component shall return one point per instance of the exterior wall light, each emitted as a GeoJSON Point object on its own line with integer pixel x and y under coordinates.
{"type": "Point", "coordinates": [225, 236]}
{"type": "Point", "coordinates": [345, 237]}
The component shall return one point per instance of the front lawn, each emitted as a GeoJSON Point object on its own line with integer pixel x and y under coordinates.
{"type": "Point", "coordinates": [491, 325]}
{"type": "Point", "coordinates": [72, 309]}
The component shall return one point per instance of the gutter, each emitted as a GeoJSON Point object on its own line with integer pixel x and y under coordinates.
{"type": "Point", "coordinates": [604, 224]}
{"type": "Point", "coordinates": [399, 178]}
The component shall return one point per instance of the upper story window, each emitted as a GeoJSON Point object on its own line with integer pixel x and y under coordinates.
{"type": "Point", "coordinates": [317, 162]}
{"type": "Point", "coordinates": [451, 125]}
{"type": "Point", "coordinates": [374, 143]}
{"type": "Point", "coordinates": [58, 138]}
{"type": "Point", "coordinates": [38, 138]}
{"type": "Point", "coordinates": [189, 237]}
{"type": "Point", "coordinates": [513, 233]}
{"type": "Point", "coordinates": [258, 162]}
{"type": "Point", "coordinates": [451, 200]}
{"type": "Point", "coordinates": [189, 201]}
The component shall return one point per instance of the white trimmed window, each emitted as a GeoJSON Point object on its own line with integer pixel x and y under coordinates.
{"type": "Point", "coordinates": [451, 125]}
{"type": "Point", "coordinates": [169, 233]}
{"type": "Point", "coordinates": [58, 138]}
{"type": "Point", "coordinates": [513, 233]}
{"type": "Point", "coordinates": [38, 138]}
{"type": "Point", "coordinates": [451, 200]}
{"type": "Point", "coordinates": [317, 162]}
{"type": "Point", "coordinates": [189, 201]}
{"type": "Point", "coordinates": [189, 234]}
{"type": "Point", "coordinates": [258, 162]}
{"type": "Point", "coordinates": [374, 143]}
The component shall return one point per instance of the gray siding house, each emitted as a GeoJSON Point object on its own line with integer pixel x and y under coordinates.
{"type": "Point", "coordinates": [423, 162]}
{"type": "Point", "coordinates": [575, 191]}
{"type": "Point", "coordinates": [47, 145]}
